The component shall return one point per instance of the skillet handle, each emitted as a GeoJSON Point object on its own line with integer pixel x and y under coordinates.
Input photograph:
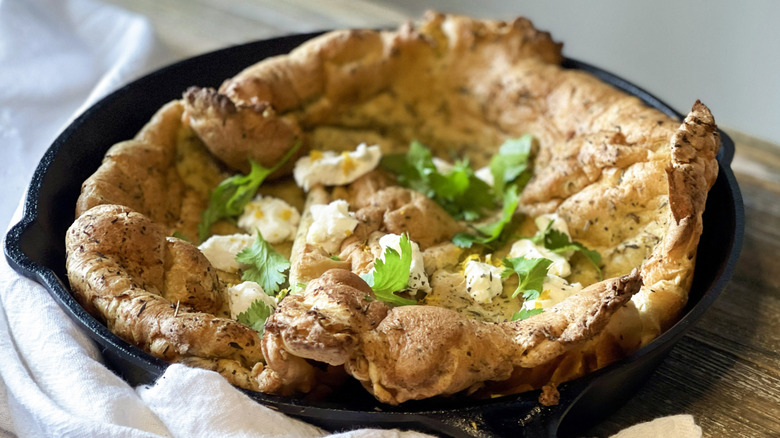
{"type": "Point", "coordinates": [727, 149]}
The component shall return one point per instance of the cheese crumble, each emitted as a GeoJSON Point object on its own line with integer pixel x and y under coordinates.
{"type": "Point", "coordinates": [331, 168]}
{"type": "Point", "coordinates": [483, 281]}
{"type": "Point", "coordinates": [331, 224]}
{"type": "Point", "coordinates": [242, 295]}
{"type": "Point", "coordinates": [276, 219]}
{"type": "Point", "coordinates": [221, 250]}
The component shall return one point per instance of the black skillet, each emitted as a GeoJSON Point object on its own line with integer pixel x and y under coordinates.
{"type": "Point", "coordinates": [36, 248]}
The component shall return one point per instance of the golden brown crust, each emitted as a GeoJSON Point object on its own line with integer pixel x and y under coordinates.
{"type": "Point", "coordinates": [672, 192]}
{"type": "Point", "coordinates": [236, 132]}
{"type": "Point", "coordinates": [408, 84]}
{"type": "Point", "coordinates": [155, 292]}
{"type": "Point", "coordinates": [415, 352]}
{"type": "Point", "coordinates": [146, 174]}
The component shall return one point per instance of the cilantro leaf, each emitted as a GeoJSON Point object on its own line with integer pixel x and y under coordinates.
{"type": "Point", "coordinates": [267, 266]}
{"type": "Point", "coordinates": [459, 191]}
{"type": "Point", "coordinates": [231, 195]}
{"type": "Point", "coordinates": [392, 273]}
{"type": "Point", "coordinates": [180, 235]}
{"type": "Point", "coordinates": [531, 273]}
{"type": "Point", "coordinates": [559, 242]}
{"type": "Point", "coordinates": [526, 313]}
{"type": "Point", "coordinates": [494, 232]}
{"type": "Point", "coordinates": [510, 174]}
{"type": "Point", "coordinates": [256, 315]}
{"type": "Point", "coordinates": [511, 163]}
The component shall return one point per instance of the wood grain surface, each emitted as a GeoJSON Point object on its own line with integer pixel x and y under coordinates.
{"type": "Point", "coordinates": [725, 372]}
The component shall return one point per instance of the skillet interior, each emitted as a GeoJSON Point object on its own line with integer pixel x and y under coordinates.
{"type": "Point", "coordinates": [36, 248]}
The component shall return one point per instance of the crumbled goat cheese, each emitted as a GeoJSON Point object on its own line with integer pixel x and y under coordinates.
{"type": "Point", "coordinates": [483, 281]}
{"type": "Point", "coordinates": [330, 168]}
{"type": "Point", "coordinates": [242, 295]}
{"type": "Point", "coordinates": [221, 250]}
{"type": "Point", "coordinates": [557, 223]}
{"type": "Point", "coordinates": [555, 290]}
{"type": "Point", "coordinates": [525, 248]}
{"type": "Point", "coordinates": [331, 224]}
{"type": "Point", "coordinates": [276, 219]}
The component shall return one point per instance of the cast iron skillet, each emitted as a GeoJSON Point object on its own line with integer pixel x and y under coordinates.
{"type": "Point", "coordinates": [36, 248]}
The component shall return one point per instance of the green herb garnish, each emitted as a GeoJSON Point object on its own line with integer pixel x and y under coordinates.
{"type": "Point", "coordinates": [526, 313]}
{"type": "Point", "coordinates": [458, 190]}
{"type": "Point", "coordinates": [231, 195]}
{"type": "Point", "coordinates": [512, 163]}
{"type": "Point", "coordinates": [559, 242]}
{"type": "Point", "coordinates": [496, 232]}
{"type": "Point", "coordinates": [392, 274]}
{"type": "Point", "coordinates": [266, 266]}
{"type": "Point", "coordinates": [256, 315]}
{"type": "Point", "coordinates": [531, 273]}
{"type": "Point", "coordinates": [180, 235]}
{"type": "Point", "coordinates": [510, 170]}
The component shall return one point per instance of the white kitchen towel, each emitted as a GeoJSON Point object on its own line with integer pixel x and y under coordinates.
{"type": "Point", "coordinates": [56, 58]}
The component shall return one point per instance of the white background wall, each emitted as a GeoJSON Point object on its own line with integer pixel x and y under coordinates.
{"type": "Point", "coordinates": [726, 53]}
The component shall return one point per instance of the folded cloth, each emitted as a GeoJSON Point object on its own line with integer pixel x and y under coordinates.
{"type": "Point", "coordinates": [681, 426]}
{"type": "Point", "coordinates": [59, 57]}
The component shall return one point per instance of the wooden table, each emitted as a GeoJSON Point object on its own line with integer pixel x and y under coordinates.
{"type": "Point", "coordinates": [725, 372]}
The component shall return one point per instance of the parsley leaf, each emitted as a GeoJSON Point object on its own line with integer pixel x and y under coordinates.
{"type": "Point", "coordinates": [559, 242]}
{"type": "Point", "coordinates": [231, 195]}
{"type": "Point", "coordinates": [531, 272]}
{"type": "Point", "coordinates": [458, 190]}
{"type": "Point", "coordinates": [526, 313]}
{"type": "Point", "coordinates": [392, 273]}
{"type": "Point", "coordinates": [256, 315]}
{"type": "Point", "coordinates": [495, 232]}
{"type": "Point", "coordinates": [511, 162]}
{"type": "Point", "coordinates": [267, 266]}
